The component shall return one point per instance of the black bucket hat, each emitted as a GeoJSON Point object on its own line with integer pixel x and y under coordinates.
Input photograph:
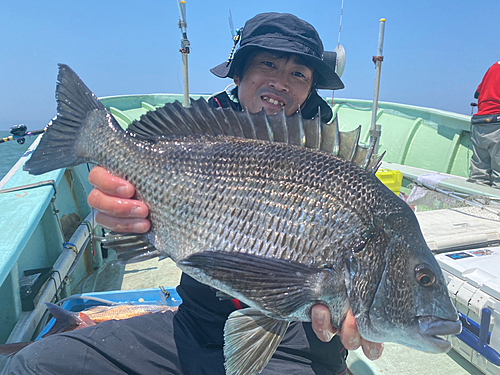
{"type": "Point", "coordinates": [283, 32]}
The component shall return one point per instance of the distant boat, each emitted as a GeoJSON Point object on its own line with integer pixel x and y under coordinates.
{"type": "Point", "coordinates": [46, 223]}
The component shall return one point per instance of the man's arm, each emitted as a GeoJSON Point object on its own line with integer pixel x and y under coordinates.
{"type": "Point", "coordinates": [117, 211]}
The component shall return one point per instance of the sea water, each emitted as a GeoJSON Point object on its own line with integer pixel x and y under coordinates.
{"type": "Point", "coordinates": [11, 151]}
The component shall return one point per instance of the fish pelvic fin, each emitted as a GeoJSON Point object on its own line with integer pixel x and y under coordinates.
{"type": "Point", "coordinates": [250, 340]}
{"type": "Point", "coordinates": [77, 110]}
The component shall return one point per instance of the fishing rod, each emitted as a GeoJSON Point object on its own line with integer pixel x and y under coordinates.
{"type": "Point", "coordinates": [339, 51]}
{"type": "Point", "coordinates": [19, 133]}
{"type": "Point", "coordinates": [455, 195]}
{"type": "Point", "coordinates": [185, 45]}
{"type": "Point", "coordinates": [374, 128]}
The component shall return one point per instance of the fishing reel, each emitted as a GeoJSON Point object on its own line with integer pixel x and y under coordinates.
{"type": "Point", "coordinates": [19, 131]}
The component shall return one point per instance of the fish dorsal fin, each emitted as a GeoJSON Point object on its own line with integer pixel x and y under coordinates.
{"type": "Point", "coordinates": [349, 142]}
{"type": "Point", "coordinates": [65, 320]}
{"type": "Point", "coordinates": [330, 137]}
{"type": "Point", "coordinates": [175, 120]}
{"type": "Point", "coordinates": [250, 340]}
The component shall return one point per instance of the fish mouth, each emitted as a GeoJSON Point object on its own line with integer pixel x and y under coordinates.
{"type": "Point", "coordinates": [431, 328]}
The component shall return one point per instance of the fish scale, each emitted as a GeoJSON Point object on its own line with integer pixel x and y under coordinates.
{"type": "Point", "coordinates": [182, 223]}
{"type": "Point", "coordinates": [279, 226]}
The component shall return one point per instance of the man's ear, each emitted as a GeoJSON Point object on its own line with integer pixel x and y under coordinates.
{"type": "Point", "coordinates": [236, 79]}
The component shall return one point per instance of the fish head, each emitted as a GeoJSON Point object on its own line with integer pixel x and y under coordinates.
{"type": "Point", "coordinates": [410, 305]}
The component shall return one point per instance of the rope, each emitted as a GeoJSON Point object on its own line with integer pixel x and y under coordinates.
{"type": "Point", "coordinates": [68, 245]}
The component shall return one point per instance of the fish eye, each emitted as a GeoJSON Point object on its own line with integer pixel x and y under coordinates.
{"type": "Point", "coordinates": [424, 275]}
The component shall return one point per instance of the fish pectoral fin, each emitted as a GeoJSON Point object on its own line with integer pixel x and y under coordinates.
{"type": "Point", "coordinates": [250, 340]}
{"type": "Point", "coordinates": [129, 247]}
{"type": "Point", "coordinates": [86, 321]}
{"type": "Point", "coordinates": [278, 286]}
{"type": "Point", "coordinates": [223, 296]}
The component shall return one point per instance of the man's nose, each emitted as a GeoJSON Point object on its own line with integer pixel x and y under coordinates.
{"type": "Point", "coordinates": [279, 81]}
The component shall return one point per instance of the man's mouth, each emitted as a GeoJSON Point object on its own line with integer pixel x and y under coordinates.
{"type": "Point", "coordinates": [273, 101]}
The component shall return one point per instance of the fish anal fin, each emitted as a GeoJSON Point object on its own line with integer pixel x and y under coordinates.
{"type": "Point", "coordinates": [250, 340]}
{"type": "Point", "coordinates": [130, 247]}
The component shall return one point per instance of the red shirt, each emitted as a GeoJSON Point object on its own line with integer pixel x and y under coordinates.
{"type": "Point", "coordinates": [489, 91]}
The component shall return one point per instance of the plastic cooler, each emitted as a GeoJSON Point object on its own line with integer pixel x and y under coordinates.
{"type": "Point", "coordinates": [391, 178]}
{"type": "Point", "coordinates": [468, 253]}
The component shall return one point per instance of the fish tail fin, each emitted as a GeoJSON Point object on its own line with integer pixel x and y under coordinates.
{"type": "Point", "coordinates": [65, 320]}
{"type": "Point", "coordinates": [10, 350]}
{"type": "Point", "coordinates": [58, 147]}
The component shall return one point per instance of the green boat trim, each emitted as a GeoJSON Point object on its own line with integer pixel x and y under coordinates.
{"type": "Point", "coordinates": [408, 132]}
{"type": "Point", "coordinates": [416, 140]}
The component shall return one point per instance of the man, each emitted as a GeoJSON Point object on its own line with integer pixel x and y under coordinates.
{"type": "Point", "coordinates": [485, 137]}
{"type": "Point", "coordinates": [278, 66]}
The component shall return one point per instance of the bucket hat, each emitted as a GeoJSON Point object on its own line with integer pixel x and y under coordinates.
{"type": "Point", "coordinates": [283, 32]}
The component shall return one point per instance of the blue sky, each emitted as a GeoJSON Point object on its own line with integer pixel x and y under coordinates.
{"type": "Point", "coordinates": [435, 52]}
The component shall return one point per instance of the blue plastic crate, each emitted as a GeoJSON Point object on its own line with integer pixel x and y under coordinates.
{"type": "Point", "coordinates": [138, 296]}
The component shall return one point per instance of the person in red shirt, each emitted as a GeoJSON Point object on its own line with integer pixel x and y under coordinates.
{"type": "Point", "coordinates": [485, 137]}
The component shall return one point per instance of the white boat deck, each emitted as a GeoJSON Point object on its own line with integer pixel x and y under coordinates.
{"type": "Point", "coordinates": [147, 274]}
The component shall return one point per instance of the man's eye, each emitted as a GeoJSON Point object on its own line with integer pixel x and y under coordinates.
{"type": "Point", "coordinates": [298, 74]}
{"type": "Point", "coordinates": [268, 63]}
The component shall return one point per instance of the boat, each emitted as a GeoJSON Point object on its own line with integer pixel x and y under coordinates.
{"type": "Point", "coordinates": [48, 251]}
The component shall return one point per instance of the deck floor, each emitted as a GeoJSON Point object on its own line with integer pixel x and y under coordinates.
{"type": "Point", "coordinates": [151, 273]}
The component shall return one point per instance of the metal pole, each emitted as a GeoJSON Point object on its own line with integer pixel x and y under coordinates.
{"type": "Point", "coordinates": [375, 129]}
{"type": "Point", "coordinates": [184, 49]}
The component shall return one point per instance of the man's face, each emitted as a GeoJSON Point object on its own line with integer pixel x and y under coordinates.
{"type": "Point", "coordinates": [271, 82]}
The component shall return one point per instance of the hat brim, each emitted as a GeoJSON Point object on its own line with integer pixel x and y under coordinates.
{"type": "Point", "coordinates": [327, 79]}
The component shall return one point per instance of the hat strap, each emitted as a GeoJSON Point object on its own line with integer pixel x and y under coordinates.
{"type": "Point", "coordinates": [236, 39]}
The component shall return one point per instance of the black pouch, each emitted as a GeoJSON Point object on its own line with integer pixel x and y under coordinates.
{"type": "Point", "coordinates": [485, 119]}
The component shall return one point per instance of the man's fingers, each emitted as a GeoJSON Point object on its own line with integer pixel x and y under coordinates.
{"type": "Point", "coordinates": [122, 225]}
{"type": "Point", "coordinates": [320, 318]}
{"type": "Point", "coordinates": [349, 335]}
{"type": "Point", "coordinates": [115, 210]}
{"type": "Point", "coordinates": [109, 184]}
{"type": "Point", "coordinates": [117, 207]}
{"type": "Point", "coordinates": [372, 350]}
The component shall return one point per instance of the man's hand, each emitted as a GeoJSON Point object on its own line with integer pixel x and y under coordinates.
{"type": "Point", "coordinates": [116, 211]}
{"type": "Point", "coordinates": [349, 334]}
